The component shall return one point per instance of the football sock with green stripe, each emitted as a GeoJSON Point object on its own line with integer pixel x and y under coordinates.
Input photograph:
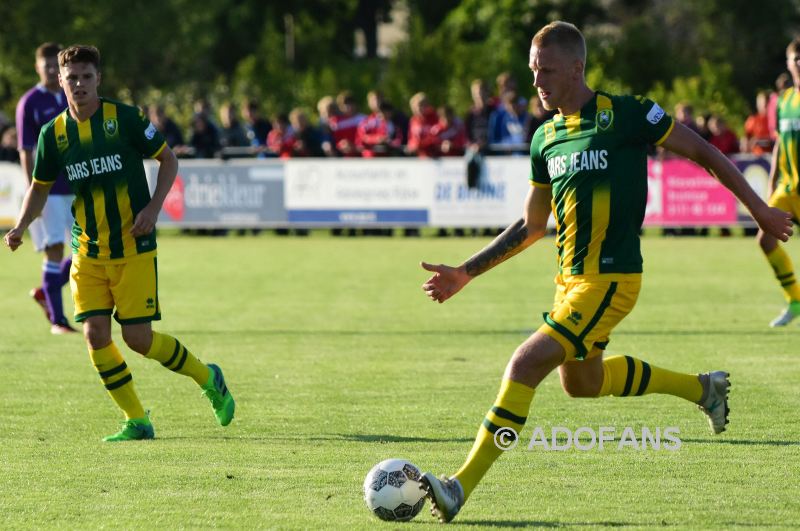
{"type": "Point", "coordinates": [510, 411]}
{"type": "Point", "coordinates": [174, 356]}
{"type": "Point", "coordinates": [116, 377]}
{"type": "Point", "coordinates": [784, 273]}
{"type": "Point", "coordinates": [627, 376]}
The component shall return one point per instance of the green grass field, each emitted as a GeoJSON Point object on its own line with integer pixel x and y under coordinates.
{"type": "Point", "coordinates": [338, 361]}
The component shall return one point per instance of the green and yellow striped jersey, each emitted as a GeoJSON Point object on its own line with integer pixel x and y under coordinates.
{"type": "Point", "coordinates": [102, 159]}
{"type": "Point", "coordinates": [596, 162]}
{"type": "Point", "coordinates": [788, 177]}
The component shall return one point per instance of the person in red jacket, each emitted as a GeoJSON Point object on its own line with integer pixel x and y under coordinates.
{"type": "Point", "coordinates": [345, 125]}
{"type": "Point", "coordinates": [722, 138]}
{"type": "Point", "coordinates": [377, 136]}
{"type": "Point", "coordinates": [281, 139]}
{"type": "Point", "coordinates": [421, 141]}
{"type": "Point", "coordinates": [451, 133]}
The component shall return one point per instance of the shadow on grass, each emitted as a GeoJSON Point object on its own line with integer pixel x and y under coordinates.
{"type": "Point", "coordinates": [540, 523]}
{"type": "Point", "coordinates": [743, 442]}
{"type": "Point", "coordinates": [611, 523]}
{"type": "Point", "coordinates": [383, 438]}
{"type": "Point", "coordinates": [365, 332]}
{"type": "Point", "coordinates": [468, 332]}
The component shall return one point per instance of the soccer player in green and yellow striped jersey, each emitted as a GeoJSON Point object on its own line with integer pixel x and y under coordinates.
{"type": "Point", "coordinates": [784, 179]}
{"type": "Point", "coordinates": [99, 144]}
{"type": "Point", "coordinates": [589, 168]}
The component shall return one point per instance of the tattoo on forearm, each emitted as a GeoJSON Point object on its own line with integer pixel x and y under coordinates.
{"type": "Point", "coordinates": [506, 245]}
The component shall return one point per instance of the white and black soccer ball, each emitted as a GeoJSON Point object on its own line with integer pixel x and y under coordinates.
{"type": "Point", "coordinates": [392, 490]}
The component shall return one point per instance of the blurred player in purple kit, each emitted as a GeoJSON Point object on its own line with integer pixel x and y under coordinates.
{"type": "Point", "coordinates": [37, 107]}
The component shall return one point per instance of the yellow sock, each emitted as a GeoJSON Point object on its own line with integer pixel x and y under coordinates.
{"type": "Point", "coordinates": [171, 354]}
{"type": "Point", "coordinates": [784, 272]}
{"type": "Point", "coordinates": [510, 411]}
{"type": "Point", "coordinates": [627, 376]}
{"type": "Point", "coordinates": [118, 380]}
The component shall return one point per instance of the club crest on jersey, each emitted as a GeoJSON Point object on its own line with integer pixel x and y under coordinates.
{"type": "Point", "coordinates": [62, 142]}
{"type": "Point", "coordinates": [604, 119]}
{"type": "Point", "coordinates": [110, 126]}
{"type": "Point", "coordinates": [549, 131]}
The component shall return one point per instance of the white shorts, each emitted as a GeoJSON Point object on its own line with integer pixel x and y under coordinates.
{"type": "Point", "coordinates": [55, 223]}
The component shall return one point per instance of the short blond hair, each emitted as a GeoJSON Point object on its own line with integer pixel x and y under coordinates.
{"type": "Point", "coordinates": [564, 35]}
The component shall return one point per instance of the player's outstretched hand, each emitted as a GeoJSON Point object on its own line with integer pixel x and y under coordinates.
{"type": "Point", "coordinates": [445, 282]}
{"type": "Point", "coordinates": [776, 222]}
{"type": "Point", "coordinates": [13, 238]}
{"type": "Point", "coordinates": [144, 223]}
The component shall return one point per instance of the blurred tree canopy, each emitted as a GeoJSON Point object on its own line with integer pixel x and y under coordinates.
{"type": "Point", "coordinates": [714, 54]}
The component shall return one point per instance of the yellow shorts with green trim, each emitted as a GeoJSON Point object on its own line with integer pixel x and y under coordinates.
{"type": "Point", "coordinates": [786, 201]}
{"type": "Point", "coordinates": [585, 311]}
{"type": "Point", "coordinates": [129, 285]}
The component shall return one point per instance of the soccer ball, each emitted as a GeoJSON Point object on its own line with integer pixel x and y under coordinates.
{"type": "Point", "coordinates": [392, 490]}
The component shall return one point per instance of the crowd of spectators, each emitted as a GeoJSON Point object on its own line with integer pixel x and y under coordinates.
{"type": "Point", "coordinates": [501, 121]}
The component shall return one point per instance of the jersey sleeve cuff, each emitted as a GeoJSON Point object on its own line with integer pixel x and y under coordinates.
{"type": "Point", "coordinates": [158, 152]}
{"type": "Point", "coordinates": [664, 137]}
{"type": "Point", "coordinates": [44, 183]}
{"type": "Point", "coordinates": [540, 185]}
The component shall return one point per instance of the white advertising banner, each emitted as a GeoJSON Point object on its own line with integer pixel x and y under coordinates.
{"type": "Point", "coordinates": [497, 201]}
{"type": "Point", "coordinates": [12, 190]}
{"type": "Point", "coordinates": [359, 191]}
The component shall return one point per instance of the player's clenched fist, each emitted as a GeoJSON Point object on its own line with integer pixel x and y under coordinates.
{"type": "Point", "coordinates": [13, 238]}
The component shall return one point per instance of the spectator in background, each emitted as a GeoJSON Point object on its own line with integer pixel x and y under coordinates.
{"type": "Point", "coordinates": [701, 126]}
{"type": "Point", "coordinates": [684, 114]}
{"type": "Point", "coordinates": [505, 83]}
{"type": "Point", "coordinates": [8, 145]}
{"type": "Point", "coordinates": [256, 128]}
{"type": "Point", "coordinates": [421, 141]}
{"type": "Point", "coordinates": [204, 138]}
{"type": "Point", "coordinates": [231, 132]}
{"type": "Point", "coordinates": [782, 83]}
{"type": "Point", "coordinates": [507, 124]}
{"type": "Point", "coordinates": [537, 115]}
{"type": "Point", "coordinates": [377, 135]}
{"type": "Point", "coordinates": [280, 139]}
{"type": "Point", "coordinates": [757, 139]}
{"type": "Point", "coordinates": [307, 138]}
{"type": "Point", "coordinates": [345, 125]}
{"type": "Point", "coordinates": [450, 132]}
{"type": "Point", "coordinates": [326, 109]}
{"type": "Point", "coordinates": [476, 122]}
{"type": "Point", "coordinates": [722, 138]}
{"type": "Point", "coordinates": [203, 106]}
{"type": "Point", "coordinates": [375, 101]}
{"type": "Point", "coordinates": [166, 126]}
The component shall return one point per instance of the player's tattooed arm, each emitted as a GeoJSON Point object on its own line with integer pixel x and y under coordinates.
{"type": "Point", "coordinates": [518, 236]}
{"type": "Point", "coordinates": [510, 242]}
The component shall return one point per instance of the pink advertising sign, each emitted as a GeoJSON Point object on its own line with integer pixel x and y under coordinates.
{"type": "Point", "coordinates": [682, 193]}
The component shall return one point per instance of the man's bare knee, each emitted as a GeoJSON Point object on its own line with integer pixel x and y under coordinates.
{"type": "Point", "coordinates": [138, 338]}
{"type": "Point", "coordinates": [580, 389]}
{"type": "Point", "coordinates": [96, 335]}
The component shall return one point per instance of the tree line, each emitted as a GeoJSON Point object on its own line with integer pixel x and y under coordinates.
{"type": "Point", "coordinates": [713, 54]}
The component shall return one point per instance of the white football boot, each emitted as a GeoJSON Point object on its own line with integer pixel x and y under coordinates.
{"type": "Point", "coordinates": [714, 402]}
{"type": "Point", "coordinates": [787, 316]}
{"type": "Point", "coordinates": [446, 495]}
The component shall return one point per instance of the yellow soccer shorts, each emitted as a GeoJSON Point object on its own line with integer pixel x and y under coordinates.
{"type": "Point", "coordinates": [130, 286]}
{"type": "Point", "coordinates": [585, 311]}
{"type": "Point", "coordinates": [786, 201]}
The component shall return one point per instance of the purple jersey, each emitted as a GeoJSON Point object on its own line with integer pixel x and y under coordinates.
{"type": "Point", "coordinates": [37, 107]}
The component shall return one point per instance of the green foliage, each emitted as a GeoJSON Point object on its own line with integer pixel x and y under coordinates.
{"type": "Point", "coordinates": [709, 92]}
{"type": "Point", "coordinates": [231, 49]}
